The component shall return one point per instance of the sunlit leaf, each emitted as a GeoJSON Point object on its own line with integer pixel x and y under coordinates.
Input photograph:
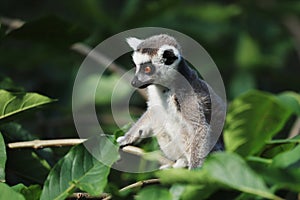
{"type": "Point", "coordinates": [213, 12]}
{"type": "Point", "coordinates": [13, 103]}
{"type": "Point", "coordinates": [9, 193]}
{"type": "Point", "coordinates": [183, 176]}
{"type": "Point", "coordinates": [232, 171]}
{"type": "Point", "coordinates": [252, 120]}
{"type": "Point", "coordinates": [33, 192]}
{"type": "Point", "coordinates": [2, 159]}
{"type": "Point", "coordinates": [78, 169]}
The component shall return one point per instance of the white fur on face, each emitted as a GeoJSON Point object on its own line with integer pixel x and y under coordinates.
{"type": "Point", "coordinates": [139, 58]}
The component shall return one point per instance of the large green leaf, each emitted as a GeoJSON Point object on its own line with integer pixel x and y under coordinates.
{"type": "Point", "coordinates": [248, 52]}
{"type": "Point", "coordinates": [2, 159]}
{"type": "Point", "coordinates": [291, 100]}
{"type": "Point", "coordinates": [9, 193]}
{"type": "Point", "coordinates": [33, 192]}
{"type": "Point", "coordinates": [232, 171]}
{"type": "Point", "coordinates": [289, 158]}
{"type": "Point", "coordinates": [220, 170]}
{"type": "Point", "coordinates": [183, 176]}
{"type": "Point", "coordinates": [78, 169]}
{"type": "Point", "coordinates": [12, 103]}
{"type": "Point", "coordinates": [253, 119]}
{"type": "Point", "coordinates": [154, 193]}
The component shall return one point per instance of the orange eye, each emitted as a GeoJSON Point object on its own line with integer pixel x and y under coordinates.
{"type": "Point", "coordinates": [147, 69]}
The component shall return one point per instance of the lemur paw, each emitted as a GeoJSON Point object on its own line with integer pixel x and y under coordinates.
{"type": "Point", "coordinates": [166, 166]}
{"type": "Point", "coordinates": [122, 141]}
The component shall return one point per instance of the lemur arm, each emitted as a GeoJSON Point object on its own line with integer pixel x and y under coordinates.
{"type": "Point", "coordinates": [141, 129]}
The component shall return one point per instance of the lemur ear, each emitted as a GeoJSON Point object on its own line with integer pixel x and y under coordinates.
{"type": "Point", "coordinates": [169, 56]}
{"type": "Point", "coordinates": [134, 42]}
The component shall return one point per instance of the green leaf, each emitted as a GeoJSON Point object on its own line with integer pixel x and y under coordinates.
{"type": "Point", "coordinates": [248, 52]}
{"type": "Point", "coordinates": [277, 146]}
{"type": "Point", "coordinates": [288, 158]}
{"type": "Point", "coordinates": [280, 178]}
{"type": "Point", "coordinates": [12, 103]}
{"type": "Point", "coordinates": [9, 193]}
{"type": "Point", "coordinates": [79, 169]}
{"type": "Point", "coordinates": [33, 192]}
{"type": "Point", "coordinates": [2, 159]}
{"type": "Point", "coordinates": [154, 193]}
{"type": "Point", "coordinates": [212, 12]}
{"type": "Point", "coordinates": [295, 139]}
{"type": "Point", "coordinates": [183, 176]}
{"type": "Point", "coordinates": [253, 118]}
{"type": "Point", "coordinates": [198, 192]}
{"type": "Point", "coordinates": [232, 171]}
{"type": "Point", "coordinates": [290, 100]}
{"type": "Point", "coordinates": [14, 132]}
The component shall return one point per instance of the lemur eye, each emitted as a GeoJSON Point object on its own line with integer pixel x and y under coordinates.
{"type": "Point", "coordinates": [147, 69]}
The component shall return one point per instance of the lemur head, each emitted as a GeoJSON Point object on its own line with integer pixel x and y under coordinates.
{"type": "Point", "coordinates": [156, 59]}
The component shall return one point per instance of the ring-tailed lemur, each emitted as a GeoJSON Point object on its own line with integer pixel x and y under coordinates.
{"type": "Point", "coordinates": [179, 104]}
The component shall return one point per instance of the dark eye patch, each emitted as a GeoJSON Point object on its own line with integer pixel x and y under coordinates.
{"type": "Point", "coordinates": [169, 56]}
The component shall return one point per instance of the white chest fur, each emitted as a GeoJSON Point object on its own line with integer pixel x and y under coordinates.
{"type": "Point", "coordinates": [168, 125]}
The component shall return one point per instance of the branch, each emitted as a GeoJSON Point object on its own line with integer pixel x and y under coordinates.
{"type": "Point", "coordinates": [295, 130]}
{"type": "Point", "coordinates": [98, 57]}
{"type": "Point", "coordinates": [82, 195]}
{"type": "Point", "coordinates": [36, 144]}
{"type": "Point", "coordinates": [102, 60]}
{"type": "Point", "coordinates": [140, 152]}
{"type": "Point", "coordinates": [136, 185]}
{"type": "Point", "coordinates": [12, 24]}
{"type": "Point", "coordinates": [140, 184]}
{"type": "Point", "coordinates": [106, 196]}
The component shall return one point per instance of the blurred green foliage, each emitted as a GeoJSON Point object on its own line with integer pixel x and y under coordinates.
{"type": "Point", "coordinates": [255, 44]}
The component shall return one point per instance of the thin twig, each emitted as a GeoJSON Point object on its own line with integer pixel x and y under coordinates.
{"type": "Point", "coordinates": [140, 184]}
{"type": "Point", "coordinates": [140, 152]}
{"type": "Point", "coordinates": [98, 57]}
{"type": "Point", "coordinates": [295, 130]}
{"type": "Point", "coordinates": [36, 144]}
{"type": "Point", "coordinates": [83, 195]}
{"type": "Point", "coordinates": [102, 60]}
{"type": "Point", "coordinates": [12, 24]}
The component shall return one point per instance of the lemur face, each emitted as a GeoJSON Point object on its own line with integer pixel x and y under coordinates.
{"type": "Point", "coordinates": [155, 63]}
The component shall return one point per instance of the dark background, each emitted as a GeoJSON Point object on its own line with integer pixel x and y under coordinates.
{"type": "Point", "coordinates": [255, 44]}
